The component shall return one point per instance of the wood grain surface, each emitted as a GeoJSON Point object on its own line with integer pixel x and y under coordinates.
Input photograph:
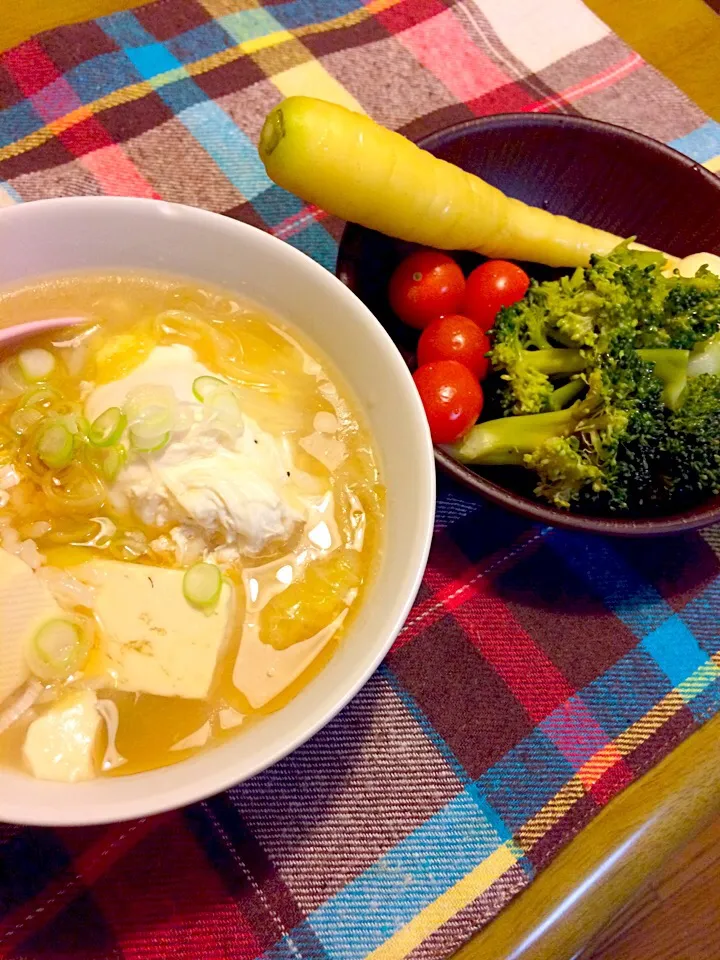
{"type": "Point", "coordinates": [679, 37]}
{"type": "Point", "coordinates": [678, 913]}
{"type": "Point", "coordinates": [633, 845]}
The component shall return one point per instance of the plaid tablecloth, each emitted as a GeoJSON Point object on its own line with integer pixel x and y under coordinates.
{"type": "Point", "coordinates": [539, 673]}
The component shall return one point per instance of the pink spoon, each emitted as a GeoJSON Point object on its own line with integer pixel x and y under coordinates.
{"type": "Point", "coordinates": [22, 331]}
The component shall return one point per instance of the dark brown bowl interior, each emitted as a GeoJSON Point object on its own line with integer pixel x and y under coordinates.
{"type": "Point", "coordinates": [594, 172]}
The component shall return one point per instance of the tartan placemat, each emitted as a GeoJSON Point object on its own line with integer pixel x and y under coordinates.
{"type": "Point", "coordinates": [540, 671]}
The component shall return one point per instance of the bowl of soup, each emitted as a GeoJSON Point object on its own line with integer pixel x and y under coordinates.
{"type": "Point", "coordinates": [216, 504]}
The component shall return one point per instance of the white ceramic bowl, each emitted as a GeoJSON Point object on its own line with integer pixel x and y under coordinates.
{"type": "Point", "coordinates": [68, 235]}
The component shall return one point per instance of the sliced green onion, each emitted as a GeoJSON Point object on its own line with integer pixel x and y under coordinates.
{"type": "Point", "coordinates": [59, 649]}
{"type": "Point", "coordinates": [153, 406]}
{"type": "Point", "coordinates": [11, 380]}
{"type": "Point", "coordinates": [55, 446]}
{"type": "Point", "coordinates": [39, 397]}
{"type": "Point", "coordinates": [75, 489]}
{"type": "Point", "coordinates": [223, 405]}
{"type": "Point", "coordinates": [24, 419]}
{"type": "Point", "coordinates": [203, 386]}
{"type": "Point", "coordinates": [70, 421]}
{"type": "Point", "coordinates": [107, 429]}
{"type": "Point", "coordinates": [36, 364]}
{"type": "Point", "coordinates": [202, 584]}
{"type": "Point", "coordinates": [146, 439]}
{"type": "Point", "coordinates": [156, 419]}
{"type": "Point", "coordinates": [113, 461]}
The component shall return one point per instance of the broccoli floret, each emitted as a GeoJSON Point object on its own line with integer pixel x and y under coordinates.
{"type": "Point", "coordinates": [690, 311]}
{"type": "Point", "coordinates": [528, 374]}
{"type": "Point", "coordinates": [615, 372]}
{"type": "Point", "coordinates": [563, 470]}
{"type": "Point", "coordinates": [621, 415]}
{"type": "Point", "coordinates": [671, 368]}
{"type": "Point", "coordinates": [691, 461]}
{"type": "Point", "coordinates": [622, 296]}
{"type": "Point", "coordinates": [596, 449]}
{"type": "Point", "coordinates": [630, 448]}
{"type": "Point", "coordinates": [561, 324]}
{"type": "Point", "coordinates": [618, 449]}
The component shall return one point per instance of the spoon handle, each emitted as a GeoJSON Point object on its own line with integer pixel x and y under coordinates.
{"type": "Point", "coordinates": [22, 331]}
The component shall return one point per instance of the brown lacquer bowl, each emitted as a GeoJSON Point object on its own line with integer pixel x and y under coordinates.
{"type": "Point", "coordinates": [594, 172]}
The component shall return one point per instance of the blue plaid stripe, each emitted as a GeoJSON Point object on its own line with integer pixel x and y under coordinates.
{"type": "Point", "coordinates": [520, 784]}
{"type": "Point", "coordinates": [10, 191]}
{"type": "Point", "coordinates": [632, 599]}
{"type": "Point", "coordinates": [199, 43]}
{"type": "Point", "coordinates": [626, 691]}
{"type": "Point", "coordinates": [702, 144]}
{"type": "Point", "coordinates": [317, 243]}
{"type": "Point", "coordinates": [230, 148]}
{"type": "Point", "coordinates": [126, 30]}
{"type": "Point", "coordinates": [373, 906]}
{"type": "Point", "coordinates": [298, 13]}
{"type": "Point", "coordinates": [702, 615]}
{"type": "Point", "coordinates": [18, 121]}
{"type": "Point", "coordinates": [97, 77]}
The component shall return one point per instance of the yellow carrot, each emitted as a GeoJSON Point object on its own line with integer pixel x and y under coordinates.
{"type": "Point", "coordinates": [352, 167]}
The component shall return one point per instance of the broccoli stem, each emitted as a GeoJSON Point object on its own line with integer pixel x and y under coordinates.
{"type": "Point", "coordinates": [563, 396]}
{"type": "Point", "coordinates": [705, 357]}
{"type": "Point", "coordinates": [507, 441]}
{"type": "Point", "coordinates": [553, 361]}
{"type": "Point", "coordinates": [671, 367]}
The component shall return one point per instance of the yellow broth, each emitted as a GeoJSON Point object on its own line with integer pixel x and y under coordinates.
{"type": "Point", "coordinates": [283, 382]}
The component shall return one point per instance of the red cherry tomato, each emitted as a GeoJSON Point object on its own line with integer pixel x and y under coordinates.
{"type": "Point", "coordinates": [490, 287]}
{"type": "Point", "coordinates": [426, 285]}
{"type": "Point", "coordinates": [455, 338]}
{"type": "Point", "coordinates": [452, 398]}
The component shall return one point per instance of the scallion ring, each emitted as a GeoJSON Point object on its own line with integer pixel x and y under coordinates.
{"type": "Point", "coordinates": [24, 419]}
{"type": "Point", "coordinates": [36, 364]}
{"type": "Point", "coordinates": [223, 405]}
{"type": "Point", "coordinates": [202, 584]}
{"type": "Point", "coordinates": [203, 386]}
{"type": "Point", "coordinates": [113, 460]}
{"type": "Point", "coordinates": [55, 446]}
{"type": "Point", "coordinates": [147, 439]}
{"type": "Point", "coordinates": [59, 649]}
{"type": "Point", "coordinates": [106, 430]}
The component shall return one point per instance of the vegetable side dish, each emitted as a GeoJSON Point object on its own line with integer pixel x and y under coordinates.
{"type": "Point", "coordinates": [605, 383]}
{"type": "Point", "coordinates": [608, 380]}
{"type": "Point", "coordinates": [190, 507]}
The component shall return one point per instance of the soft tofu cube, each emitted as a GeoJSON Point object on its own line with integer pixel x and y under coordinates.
{"type": "Point", "coordinates": [63, 743]}
{"type": "Point", "coordinates": [25, 605]}
{"type": "Point", "coordinates": [154, 640]}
